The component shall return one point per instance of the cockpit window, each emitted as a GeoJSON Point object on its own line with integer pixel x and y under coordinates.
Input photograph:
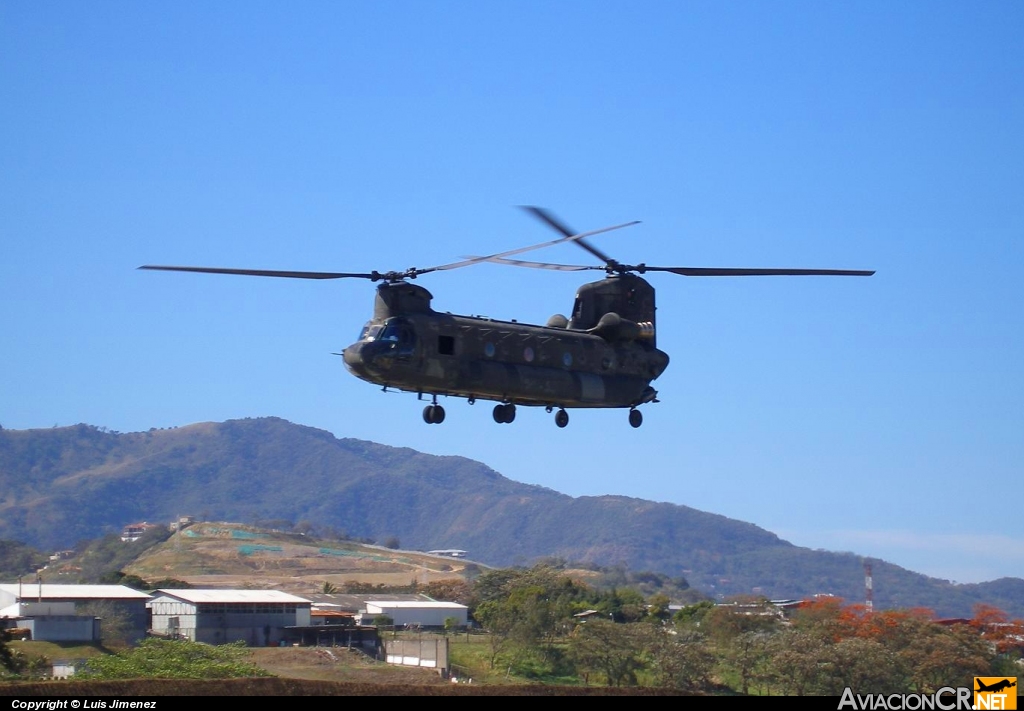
{"type": "Point", "coordinates": [399, 331]}
{"type": "Point", "coordinates": [577, 309]}
{"type": "Point", "coordinates": [370, 332]}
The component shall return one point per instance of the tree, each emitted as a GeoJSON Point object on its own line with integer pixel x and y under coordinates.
{"type": "Point", "coordinates": [119, 577]}
{"type": "Point", "coordinates": [746, 655]}
{"type": "Point", "coordinates": [612, 649]}
{"type": "Point", "coordinates": [657, 608]}
{"type": "Point", "coordinates": [451, 590]}
{"type": "Point", "coordinates": [499, 620]}
{"type": "Point", "coordinates": [623, 605]}
{"type": "Point", "coordinates": [692, 616]}
{"type": "Point", "coordinates": [10, 661]}
{"type": "Point", "coordinates": [115, 622]}
{"type": "Point", "coordinates": [19, 559]}
{"type": "Point", "coordinates": [682, 660]}
{"type": "Point", "coordinates": [722, 623]}
{"type": "Point", "coordinates": [937, 654]}
{"type": "Point", "coordinates": [820, 617]}
{"type": "Point", "coordinates": [169, 584]}
{"type": "Point", "coordinates": [450, 624]}
{"type": "Point", "coordinates": [831, 647]}
{"type": "Point", "coordinates": [862, 664]}
{"type": "Point", "coordinates": [392, 542]}
{"type": "Point", "coordinates": [109, 555]}
{"type": "Point", "coordinates": [794, 662]}
{"type": "Point", "coordinates": [547, 596]}
{"type": "Point", "coordinates": [16, 665]}
{"type": "Point", "coordinates": [519, 622]}
{"type": "Point", "coordinates": [997, 628]}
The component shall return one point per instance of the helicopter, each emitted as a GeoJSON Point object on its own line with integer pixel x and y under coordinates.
{"type": "Point", "coordinates": [604, 355]}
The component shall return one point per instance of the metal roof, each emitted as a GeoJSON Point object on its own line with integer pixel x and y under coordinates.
{"type": "Point", "coordinates": [228, 596]}
{"type": "Point", "coordinates": [30, 592]}
{"type": "Point", "coordinates": [416, 605]}
{"type": "Point", "coordinates": [355, 602]}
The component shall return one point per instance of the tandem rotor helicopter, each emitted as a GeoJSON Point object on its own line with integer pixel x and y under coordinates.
{"type": "Point", "coordinates": [603, 356]}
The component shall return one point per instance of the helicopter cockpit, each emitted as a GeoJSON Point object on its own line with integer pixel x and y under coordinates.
{"type": "Point", "coordinates": [397, 331]}
{"type": "Point", "coordinates": [370, 331]}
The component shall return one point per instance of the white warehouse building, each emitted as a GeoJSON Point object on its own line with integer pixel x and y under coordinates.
{"type": "Point", "coordinates": [256, 617]}
{"type": "Point", "coordinates": [72, 613]}
{"type": "Point", "coordinates": [415, 612]}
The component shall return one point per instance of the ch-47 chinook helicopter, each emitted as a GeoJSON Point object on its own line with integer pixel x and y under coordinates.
{"type": "Point", "coordinates": [605, 355]}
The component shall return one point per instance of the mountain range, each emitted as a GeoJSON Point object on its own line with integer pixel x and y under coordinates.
{"type": "Point", "coordinates": [62, 485]}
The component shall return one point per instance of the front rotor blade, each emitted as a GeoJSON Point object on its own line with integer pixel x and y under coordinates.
{"type": "Point", "coordinates": [715, 271]}
{"type": "Point", "coordinates": [538, 265]}
{"type": "Point", "coordinates": [546, 217]}
{"type": "Point", "coordinates": [259, 272]}
{"type": "Point", "coordinates": [571, 237]}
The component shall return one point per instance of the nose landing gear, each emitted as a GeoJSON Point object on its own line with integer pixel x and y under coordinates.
{"type": "Point", "coordinates": [561, 418]}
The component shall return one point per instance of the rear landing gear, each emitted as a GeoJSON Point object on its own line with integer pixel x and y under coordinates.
{"type": "Point", "coordinates": [505, 414]}
{"type": "Point", "coordinates": [561, 418]}
{"type": "Point", "coordinates": [636, 418]}
{"type": "Point", "coordinates": [433, 414]}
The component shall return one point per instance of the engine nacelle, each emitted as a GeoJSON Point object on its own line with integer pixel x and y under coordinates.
{"type": "Point", "coordinates": [612, 327]}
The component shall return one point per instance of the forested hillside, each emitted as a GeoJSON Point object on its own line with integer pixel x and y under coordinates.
{"type": "Point", "coordinates": [62, 485]}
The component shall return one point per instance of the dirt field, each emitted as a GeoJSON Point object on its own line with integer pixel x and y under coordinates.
{"type": "Point", "coordinates": [229, 555]}
{"type": "Point", "coordinates": [338, 664]}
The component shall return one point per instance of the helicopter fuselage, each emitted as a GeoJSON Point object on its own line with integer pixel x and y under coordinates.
{"type": "Point", "coordinates": [409, 346]}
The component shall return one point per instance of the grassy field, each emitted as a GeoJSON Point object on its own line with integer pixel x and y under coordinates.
{"type": "Point", "coordinates": [271, 686]}
{"type": "Point", "coordinates": [312, 671]}
{"type": "Point", "coordinates": [58, 650]}
{"type": "Point", "coordinates": [470, 656]}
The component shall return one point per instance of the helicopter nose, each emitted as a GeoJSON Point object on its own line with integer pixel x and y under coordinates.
{"type": "Point", "coordinates": [354, 359]}
{"type": "Point", "coordinates": [368, 360]}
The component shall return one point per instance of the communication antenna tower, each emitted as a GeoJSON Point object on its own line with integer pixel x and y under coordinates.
{"type": "Point", "coordinates": [869, 591]}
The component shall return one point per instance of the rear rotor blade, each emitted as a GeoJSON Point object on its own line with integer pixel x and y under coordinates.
{"type": "Point", "coordinates": [682, 271]}
{"type": "Point", "coordinates": [716, 271]}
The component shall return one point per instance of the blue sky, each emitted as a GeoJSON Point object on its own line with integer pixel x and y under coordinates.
{"type": "Point", "coordinates": [883, 416]}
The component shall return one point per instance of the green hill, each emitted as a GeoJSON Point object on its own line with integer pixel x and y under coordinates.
{"type": "Point", "coordinates": [62, 485]}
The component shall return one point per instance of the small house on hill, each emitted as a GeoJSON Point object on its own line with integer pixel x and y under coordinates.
{"type": "Point", "coordinates": [133, 531]}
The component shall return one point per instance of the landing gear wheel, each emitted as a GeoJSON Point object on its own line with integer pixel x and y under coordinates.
{"type": "Point", "coordinates": [561, 418]}
{"type": "Point", "coordinates": [504, 414]}
{"type": "Point", "coordinates": [433, 414]}
{"type": "Point", "coordinates": [636, 418]}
